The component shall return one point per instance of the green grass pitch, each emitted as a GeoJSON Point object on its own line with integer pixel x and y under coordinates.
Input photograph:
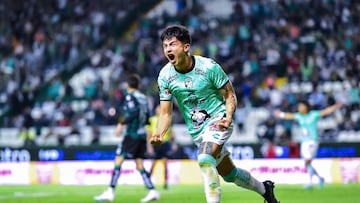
{"type": "Point", "coordinates": [331, 193]}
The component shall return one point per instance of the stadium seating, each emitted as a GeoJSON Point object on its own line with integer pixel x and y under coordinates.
{"type": "Point", "coordinates": [227, 34]}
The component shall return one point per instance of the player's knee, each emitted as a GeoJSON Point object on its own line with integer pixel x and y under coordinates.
{"type": "Point", "coordinates": [230, 177]}
{"type": "Point", "coordinates": [205, 160]}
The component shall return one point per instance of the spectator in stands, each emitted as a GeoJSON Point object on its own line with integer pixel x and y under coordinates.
{"type": "Point", "coordinates": [317, 98]}
{"type": "Point", "coordinates": [307, 120]}
{"type": "Point", "coordinates": [26, 133]}
{"type": "Point", "coordinates": [354, 94]}
{"type": "Point", "coordinates": [241, 114]}
{"type": "Point", "coordinates": [95, 140]}
{"type": "Point", "coordinates": [268, 137]}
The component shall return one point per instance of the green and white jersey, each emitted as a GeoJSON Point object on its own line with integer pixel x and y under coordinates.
{"type": "Point", "coordinates": [196, 92]}
{"type": "Point", "coordinates": [308, 125]}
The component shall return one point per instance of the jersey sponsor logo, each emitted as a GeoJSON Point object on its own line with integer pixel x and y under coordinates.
{"type": "Point", "coordinates": [172, 78]}
{"type": "Point", "coordinates": [199, 72]}
{"type": "Point", "coordinates": [198, 117]}
{"type": "Point", "coordinates": [213, 62]}
{"type": "Point", "coordinates": [191, 99]}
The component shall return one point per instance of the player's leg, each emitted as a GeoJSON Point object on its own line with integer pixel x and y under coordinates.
{"type": "Point", "coordinates": [243, 178]}
{"type": "Point", "coordinates": [209, 172]}
{"type": "Point", "coordinates": [152, 194]}
{"type": "Point", "coordinates": [144, 174]}
{"type": "Point", "coordinates": [165, 162]}
{"type": "Point", "coordinates": [165, 172]}
{"type": "Point", "coordinates": [139, 150]}
{"type": "Point", "coordinates": [109, 193]}
{"type": "Point", "coordinates": [165, 155]}
{"type": "Point", "coordinates": [210, 143]}
{"type": "Point", "coordinates": [308, 152]}
{"type": "Point", "coordinates": [313, 172]}
{"type": "Point", "coordinates": [153, 164]}
{"type": "Point", "coordinates": [116, 172]}
{"type": "Point", "coordinates": [240, 177]}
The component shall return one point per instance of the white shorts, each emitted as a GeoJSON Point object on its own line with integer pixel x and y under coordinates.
{"type": "Point", "coordinates": [308, 149]}
{"type": "Point", "coordinates": [211, 133]}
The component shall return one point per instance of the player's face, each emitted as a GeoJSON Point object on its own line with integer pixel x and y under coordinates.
{"type": "Point", "coordinates": [302, 108]}
{"type": "Point", "coordinates": [175, 51]}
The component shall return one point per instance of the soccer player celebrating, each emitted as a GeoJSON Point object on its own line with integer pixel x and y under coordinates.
{"type": "Point", "coordinates": [207, 101]}
{"type": "Point", "coordinates": [307, 120]}
{"type": "Point", "coordinates": [133, 146]}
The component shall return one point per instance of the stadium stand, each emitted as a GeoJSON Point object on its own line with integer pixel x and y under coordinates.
{"type": "Point", "coordinates": [66, 61]}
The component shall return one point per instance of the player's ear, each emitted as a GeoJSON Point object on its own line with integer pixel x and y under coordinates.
{"type": "Point", "coordinates": [186, 47]}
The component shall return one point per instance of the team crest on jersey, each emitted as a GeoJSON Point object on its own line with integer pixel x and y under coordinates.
{"type": "Point", "coordinates": [188, 83]}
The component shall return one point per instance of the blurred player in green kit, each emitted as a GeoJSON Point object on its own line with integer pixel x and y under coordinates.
{"type": "Point", "coordinates": [307, 120]}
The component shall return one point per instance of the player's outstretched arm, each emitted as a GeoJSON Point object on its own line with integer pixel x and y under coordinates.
{"type": "Point", "coordinates": [164, 122]}
{"type": "Point", "coordinates": [330, 109]}
{"type": "Point", "coordinates": [284, 115]}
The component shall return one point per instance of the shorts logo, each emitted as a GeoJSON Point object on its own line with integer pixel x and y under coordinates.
{"type": "Point", "coordinates": [216, 136]}
{"type": "Point", "coordinates": [214, 127]}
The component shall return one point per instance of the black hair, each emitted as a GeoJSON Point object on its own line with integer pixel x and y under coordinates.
{"type": "Point", "coordinates": [306, 103]}
{"type": "Point", "coordinates": [133, 81]}
{"type": "Point", "coordinates": [178, 31]}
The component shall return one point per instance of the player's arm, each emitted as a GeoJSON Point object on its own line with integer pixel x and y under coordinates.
{"type": "Point", "coordinates": [284, 115]}
{"type": "Point", "coordinates": [230, 103]}
{"type": "Point", "coordinates": [119, 129]}
{"type": "Point", "coordinates": [164, 122]}
{"type": "Point", "coordinates": [330, 109]}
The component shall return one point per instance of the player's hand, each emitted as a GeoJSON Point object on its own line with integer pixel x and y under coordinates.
{"type": "Point", "coordinates": [277, 113]}
{"type": "Point", "coordinates": [224, 124]}
{"type": "Point", "coordinates": [118, 130]}
{"type": "Point", "coordinates": [339, 104]}
{"type": "Point", "coordinates": [156, 140]}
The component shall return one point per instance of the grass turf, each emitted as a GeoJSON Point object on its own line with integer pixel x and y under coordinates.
{"type": "Point", "coordinates": [332, 193]}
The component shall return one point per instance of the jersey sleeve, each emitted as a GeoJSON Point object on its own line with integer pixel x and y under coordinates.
{"type": "Point", "coordinates": [297, 116]}
{"type": "Point", "coordinates": [217, 75]}
{"type": "Point", "coordinates": [316, 114]}
{"type": "Point", "coordinates": [164, 91]}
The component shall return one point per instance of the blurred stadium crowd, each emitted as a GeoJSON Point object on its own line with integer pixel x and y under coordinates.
{"type": "Point", "coordinates": [62, 62]}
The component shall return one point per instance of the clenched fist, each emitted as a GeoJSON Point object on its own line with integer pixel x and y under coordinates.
{"type": "Point", "coordinates": [224, 124]}
{"type": "Point", "coordinates": [156, 140]}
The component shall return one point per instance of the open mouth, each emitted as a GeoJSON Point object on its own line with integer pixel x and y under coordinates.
{"type": "Point", "coordinates": [171, 57]}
